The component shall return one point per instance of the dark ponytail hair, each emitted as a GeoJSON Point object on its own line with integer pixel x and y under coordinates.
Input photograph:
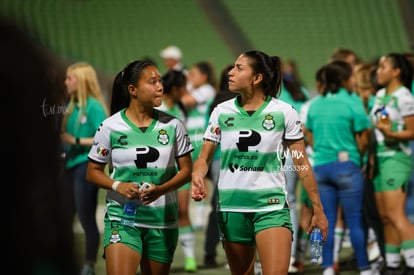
{"type": "Point", "coordinates": [172, 79]}
{"type": "Point", "coordinates": [175, 79]}
{"type": "Point", "coordinates": [405, 66]}
{"type": "Point", "coordinates": [334, 74]}
{"type": "Point", "coordinates": [270, 68]}
{"type": "Point", "coordinates": [207, 68]}
{"type": "Point", "coordinates": [128, 76]}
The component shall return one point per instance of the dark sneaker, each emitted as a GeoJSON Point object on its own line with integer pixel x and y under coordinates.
{"type": "Point", "coordinates": [210, 262]}
{"type": "Point", "coordinates": [392, 271]}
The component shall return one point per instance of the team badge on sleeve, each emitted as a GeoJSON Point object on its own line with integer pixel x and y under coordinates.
{"type": "Point", "coordinates": [214, 129]}
{"type": "Point", "coordinates": [102, 152]}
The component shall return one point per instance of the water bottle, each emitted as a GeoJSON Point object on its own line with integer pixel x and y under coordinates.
{"type": "Point", "coordinates": [315, 245]}
{"type": "Point", "coordinates": [384, 116]}
{"type": "Point", "coordinates": [129, 211]}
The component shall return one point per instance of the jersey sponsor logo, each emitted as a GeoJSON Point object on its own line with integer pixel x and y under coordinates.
{"type": "Point", "coordinates": [228, 122]}
{"type": "Point", "coordinates": [391, 182]}
{"type": "Point", "coordinates": [121, 140]}
{"type": "Point", "coordinates": [246, 139]}
{"type": "Point", "coordinates": [163, 137]}
{"type": "Point", "coordinates": [268, 122]}
{"type": "Point", "coordinates": [144, 155]}
{"type": "Point", "coordinates": [144, 174]}
{"type": "Point", "coordinates": [233, 167]}
{"type": "Point", "coordinates": [245, 157]}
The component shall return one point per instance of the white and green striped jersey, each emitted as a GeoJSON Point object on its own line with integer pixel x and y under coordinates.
{"type": "Point", "coordinates": [143, 155]}
{"type": "Point", "coordinates": [252, 152]}
{"type": "Point", "coordinates": [196, 120]}
{"type": "Point", "coordinates": [174, 111]}
{"type": "Point", "coordinates": [398, 105]}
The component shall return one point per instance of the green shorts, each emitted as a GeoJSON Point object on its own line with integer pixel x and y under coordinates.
{"type": "Point", "coordinates": [153, 243]}
{"type": "Point", "coordinates": [393, 173]}
{"type": "Point", "coordinates": [243, 227]}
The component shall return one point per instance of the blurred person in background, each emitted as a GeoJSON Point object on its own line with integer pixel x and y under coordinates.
{"type": "Point", "coordinates": [143, 145]}
{"type": "Point", "coordinates": [175, 83]}
{"type": "Point", "coordinates": [85, 111]}
{"type": "Point", "coordinates": [341, 230]}
{"type": "Point", "coordinates": [295, 94]}
{"type": "Point", "coordinates": [345, 54]}
{"type": "Point", "coordinates": [393, 117]}
{"type": "Point", "coordinates": [365, 88]}
{"type": "Point", "coordinates": [338, 129]}
{"type": "Point", "coordinates": [212, 232]}
{"type": "Point", "coordinates": [409, 208]}
{"type": "Point", "coordinates": [202, 81]}
{"type": "Point", "coordinates": [253, 130]}
{"type": "Point", "coordinates": [306, 210]}
{"type": "Point", "coordinates": [39, 235]}
{"type": "Point", "coordinates": [172, 57]}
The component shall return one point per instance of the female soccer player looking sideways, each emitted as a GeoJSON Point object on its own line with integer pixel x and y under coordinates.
{"type": "Point", "coordinates": [393, 156]}
{"type": "Point", "coordinates": [143, 145]}
{"type": "Point", "coordinates": [253, 130]}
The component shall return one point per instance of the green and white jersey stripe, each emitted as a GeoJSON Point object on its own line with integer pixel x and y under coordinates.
{"type": "Point", "coordinates": [399, 104]}
{"type": "Point", "coordinates": [196, 120]}
{"type": "Point", "coordinates": [252, 152]}
{"type": "Point", "coordinates": [139, 155]}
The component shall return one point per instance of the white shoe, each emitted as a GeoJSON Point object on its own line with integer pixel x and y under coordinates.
{"type": "Point", "coordinates": [377, 266]}
{"type": "Point", "coordinates": [373, 251]}
{"type": "Point", "coordinates": [292, 268]}
{"type": "Point", "coordinates": [257, 268]}
{"type": "Point", "coordinates": [329, 271]}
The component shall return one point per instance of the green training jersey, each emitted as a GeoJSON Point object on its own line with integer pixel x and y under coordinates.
{"type": "Point", "coordinates": [83, 124]}
{"type": "Point", "coordinates": [334, 120]}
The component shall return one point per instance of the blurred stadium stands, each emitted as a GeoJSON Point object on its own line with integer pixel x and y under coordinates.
{"type": "Point", "coordinates": [108, 33]}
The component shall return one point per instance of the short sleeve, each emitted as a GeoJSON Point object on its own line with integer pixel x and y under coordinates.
{"type": "Point", "coordinates": [213, 131]}
{"type": "Point", "coordinates": [101, 148]}
{"type": "Point", "coordinates": [293, 125]}
{"type": "Point", "coordinates": [183, 144]}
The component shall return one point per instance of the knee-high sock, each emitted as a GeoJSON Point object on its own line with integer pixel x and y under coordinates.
{"type": "Point", "coordinates": [408, 253]}
{"type": "Point", "coordinates": [339, 236]}
{"type": "Point", "coordinates": [187, 241]}
{"type": "Point", "coordinates": [392, 256]}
